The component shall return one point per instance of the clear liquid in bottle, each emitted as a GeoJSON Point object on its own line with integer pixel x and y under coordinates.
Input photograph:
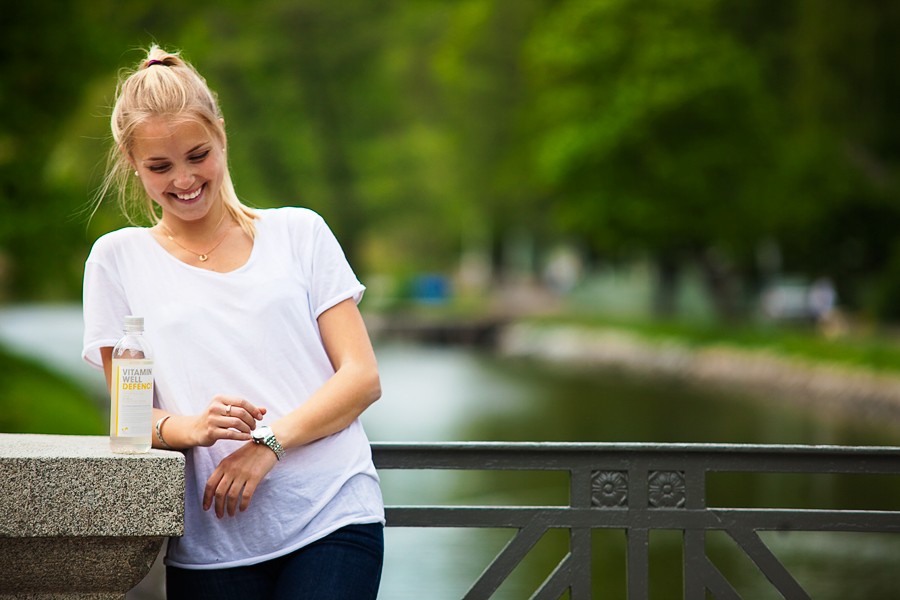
{"type": "Point", "coordinates": [131, 391]}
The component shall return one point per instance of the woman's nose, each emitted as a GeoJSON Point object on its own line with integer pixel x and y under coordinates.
{"type": "Point", "coordinates": [184, 178]}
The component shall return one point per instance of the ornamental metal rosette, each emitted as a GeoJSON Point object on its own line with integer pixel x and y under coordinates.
{"type": "Point", "coordinates": [666, 489]}
{"type": "Point", "coordinates": [609, 489]}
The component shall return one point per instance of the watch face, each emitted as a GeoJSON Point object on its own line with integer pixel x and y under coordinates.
{"type": "Point", "coordinates": [261, 433]}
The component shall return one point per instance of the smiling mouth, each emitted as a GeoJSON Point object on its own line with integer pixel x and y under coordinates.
{"type": "Point", "coordinates": [190, 195]}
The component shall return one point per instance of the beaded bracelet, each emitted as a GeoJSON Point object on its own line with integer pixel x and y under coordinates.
{"type": "Point", "coordinates": [159, 436]}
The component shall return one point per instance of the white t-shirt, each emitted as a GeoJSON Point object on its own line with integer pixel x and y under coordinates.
{"type": "Point", "coordinates": [250, 333]}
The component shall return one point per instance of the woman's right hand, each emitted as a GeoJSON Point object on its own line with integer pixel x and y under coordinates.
{"type": "Point", "coordinates": [225, 418]}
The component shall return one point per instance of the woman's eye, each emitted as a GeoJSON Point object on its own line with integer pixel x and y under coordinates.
{"type": "Point", "coordinates": [158, 168]}
{"type": "Point", "coordinates": [199, 157]}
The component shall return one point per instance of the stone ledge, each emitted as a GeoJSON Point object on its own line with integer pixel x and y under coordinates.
{"type": "Point", "coordinates": [77, 521]}
{"type": "Point", "coordinates": [101, 567]}
{"type": "Point", "coordinates": [57, 485]}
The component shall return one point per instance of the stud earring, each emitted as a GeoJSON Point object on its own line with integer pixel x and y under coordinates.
{"type": "Point", "coordinates": [135, 173]}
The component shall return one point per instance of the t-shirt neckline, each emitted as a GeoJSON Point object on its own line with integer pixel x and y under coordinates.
{"type": "Point", "coordinates": [159, 248]}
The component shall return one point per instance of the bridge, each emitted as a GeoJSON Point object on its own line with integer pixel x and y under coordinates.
{"type": "Point", "coordinates": [69, 531]}
{"type": "Point", "coordinates": [638, 489]}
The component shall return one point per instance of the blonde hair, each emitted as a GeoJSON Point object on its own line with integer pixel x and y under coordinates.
{"type": "Point", "coordinates": [163, 84]}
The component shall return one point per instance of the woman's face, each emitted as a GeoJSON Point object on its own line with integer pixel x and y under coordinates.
{"type": "Point", "coordinates": [181, 166]}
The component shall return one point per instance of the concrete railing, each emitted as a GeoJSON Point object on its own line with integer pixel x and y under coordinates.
{"type": "Point", "coordinates": [77, 521]}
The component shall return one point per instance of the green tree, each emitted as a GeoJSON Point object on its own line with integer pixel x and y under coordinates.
{"type": "Point", "coordinates": [689, 132]}
{"type": "Point", "coordinates": [480, 70]}
{"type": "Point", "coordinates": [654, 134]}
{"type": "Point", "coordinates": [841, 158]}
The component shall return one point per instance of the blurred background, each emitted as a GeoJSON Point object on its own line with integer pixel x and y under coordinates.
{"type": "Point", "coordinates": [735, 143]}
{"type": "Point", "coordinates": [699, 173]}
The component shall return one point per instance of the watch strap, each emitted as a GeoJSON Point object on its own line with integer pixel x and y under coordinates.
{"type": "Point", "coordinates": [270, 441]}
{"type": "Point", "coordinates": [274, 445]}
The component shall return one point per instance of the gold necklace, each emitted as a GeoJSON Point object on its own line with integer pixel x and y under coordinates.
{"type": "Point", "coordinates": [202, 257]}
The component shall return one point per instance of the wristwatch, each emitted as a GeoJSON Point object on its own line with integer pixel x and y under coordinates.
{"type": "Point", "coordinates": [263, 435]}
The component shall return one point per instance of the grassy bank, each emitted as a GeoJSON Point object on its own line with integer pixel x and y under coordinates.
{"type": "Point", "coordinates": [866, 349]}
{"type": "Point", "coordinates": [36, 400]}
{"type": "Point", "coordinates": [863, 347]}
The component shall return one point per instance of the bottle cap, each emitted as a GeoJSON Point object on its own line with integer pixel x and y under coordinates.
{"type": "Point", "coordinates": [133, 323]}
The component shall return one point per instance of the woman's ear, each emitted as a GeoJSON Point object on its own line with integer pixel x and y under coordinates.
{"type": "Point", "coordinates": [128, 157]}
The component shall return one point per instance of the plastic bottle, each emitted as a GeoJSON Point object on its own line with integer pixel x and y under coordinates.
{"type": "Point", "coordinates": [131, 391]}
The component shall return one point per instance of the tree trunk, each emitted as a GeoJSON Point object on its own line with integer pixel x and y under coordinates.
{"type": "Point", "coordinates": [721, 284]}
{"type": "Point", "coordinates": [665, 295]}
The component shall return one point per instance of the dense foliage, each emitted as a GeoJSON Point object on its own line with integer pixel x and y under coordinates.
{"type": "Point", "coordinates": [695, 132]}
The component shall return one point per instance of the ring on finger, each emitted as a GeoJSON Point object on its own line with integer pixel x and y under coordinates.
{"type": "Point", "coordinates": [227, 410]}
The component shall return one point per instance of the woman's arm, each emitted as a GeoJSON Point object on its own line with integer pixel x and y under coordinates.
{"type": "Point", "coordinates": [354, 386]}
{"type": "Point", "coordinates": [216, 422]}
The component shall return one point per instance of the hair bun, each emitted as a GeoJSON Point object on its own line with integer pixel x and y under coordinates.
{"type": "Point", "coordinates": [158, 56]}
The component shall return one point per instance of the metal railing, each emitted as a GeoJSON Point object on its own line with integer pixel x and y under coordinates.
{"type": "Point", "coordinates": [639, 488]}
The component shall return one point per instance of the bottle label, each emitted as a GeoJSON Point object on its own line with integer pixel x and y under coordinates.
{"type": "Point", "coordinates": [132, 397]}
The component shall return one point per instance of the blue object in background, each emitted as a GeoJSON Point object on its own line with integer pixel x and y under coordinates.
{"type": "Point", "coordinates": [431, 288]}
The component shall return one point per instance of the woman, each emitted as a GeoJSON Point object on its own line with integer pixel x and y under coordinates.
{"type": "Point", "coordinates": [262, 360]}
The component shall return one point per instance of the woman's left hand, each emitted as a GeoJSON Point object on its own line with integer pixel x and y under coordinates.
{"type": "Point", "coordinates": [232, 484]}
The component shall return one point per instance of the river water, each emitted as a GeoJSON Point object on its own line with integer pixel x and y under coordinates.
{"type": "Point", "coordinates": [446, 394]}
{"type": "Point", "coordinates": [461, 394]}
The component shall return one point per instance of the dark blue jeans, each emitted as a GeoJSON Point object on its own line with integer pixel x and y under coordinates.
{"type": "Point", "coordinates": [345, 565]}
